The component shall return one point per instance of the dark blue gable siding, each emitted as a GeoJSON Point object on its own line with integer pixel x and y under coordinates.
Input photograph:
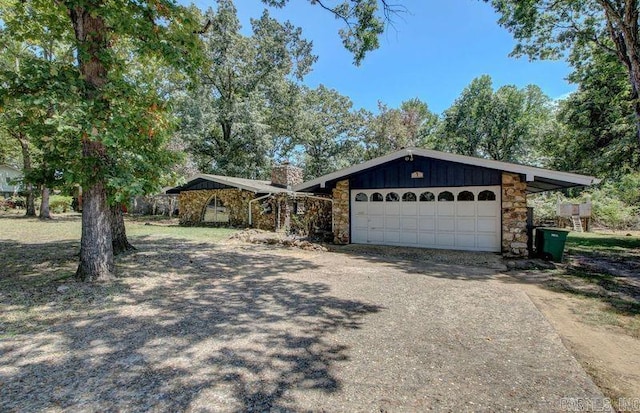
{"type": "Point", "coordinates": [437, 173]}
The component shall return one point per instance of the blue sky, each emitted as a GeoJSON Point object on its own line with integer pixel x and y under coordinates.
{"type": "Point", "coordinates": [432, 53]}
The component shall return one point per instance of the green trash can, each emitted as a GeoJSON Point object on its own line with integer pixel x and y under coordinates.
{"type": "Point", "coordinates": [550, 243]}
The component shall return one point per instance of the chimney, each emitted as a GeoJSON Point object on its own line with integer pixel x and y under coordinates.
{"type": "Point", "coordinates": [286, 175]}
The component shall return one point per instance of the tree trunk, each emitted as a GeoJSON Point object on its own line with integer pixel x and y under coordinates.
{"type": "Point", "coordinates": [44, 204]}
{"type": "Point", "coordinates": [31, 201]}
{"type": "Point", "coordinates": [26, 169]}
{"type": "Point", "coordinates": [119, 239]}
{"type": "Point", "coordinates": [96, 251]}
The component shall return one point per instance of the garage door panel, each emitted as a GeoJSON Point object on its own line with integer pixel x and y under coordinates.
{"type": "Point", "coordinates": [465, 240]}
{"type": "Point", "coordinates": [427, 209]}
{"type": "Point", "coordinates": [427, 239]}
{"type": "Point", "coordinates": [466, 209]}
{"type": "Point", "coordinates": [445, 240]}
{"type": "Point", "coordinates": [487, 225]}
{"type": "Point", "coordinates": [376, 208]}
{"type": "Point", "coordinates": [488, 209]}
{"type": "Point", "coordinates": [466, 225]}
{"type": "Point", "coordinates": [392, 237]}
{"type": "Point", "coordinates": [392, 223]}
{"type": "Point", "coordinates": [446, 224]}
{"type": "Point", "coordinates": [427, 224]}
{"type": "Point", "coordinates": [460, 218]}
{"type": "Point", "coordinates": [409, 238]}
{"type": "Point", "coordinates": [409, 208]}
{"type": "Point", "coordinates": [409, 223]}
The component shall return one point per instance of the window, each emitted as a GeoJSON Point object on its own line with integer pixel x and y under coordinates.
{"type": "Point", "coordinates": [427, 197]}
{"type": "Point", "coordinates": [216, 211]}
{"type": "Point", "coordinates": [409, 197]}
{"type": "Point", "coordinates": [299, 208]}
{"type": "Point", "coordinates": [393, 197]}
{"type": "Point", "coordinates": [377, 197]}
{"type": "Point", "coordinates": [361, 197]}
{"type": "Point", "coordinates": [466, 196]}
{"type": "Point", "coordinates": [445, 196]}
{"type": "Point", "coordinates": [486, 196]}
{"type": "Point", "coordinates": [266, 207]}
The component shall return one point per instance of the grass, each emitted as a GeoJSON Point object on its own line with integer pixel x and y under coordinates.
{"type": "Point", "coordinates": [603, 270]}
{"type": "Point", "coordinates": [603, 244]}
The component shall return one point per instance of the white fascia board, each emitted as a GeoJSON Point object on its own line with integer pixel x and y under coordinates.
{"type": "Point", "coordinates": [529, 171]}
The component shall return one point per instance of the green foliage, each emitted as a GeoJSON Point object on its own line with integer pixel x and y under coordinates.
{"type": "Point", "coordinates": [411, 125]}
{"type": "Point", "coordinates": [599, 130]}
{"type": "Point", "coordinates": [364, 20]}
{"type": "Point", "coordinates": [59, 204]}
{"type": "Point", "coordinates": [241, 113]}
{"type": "Point", "coordinates": [504, 125]}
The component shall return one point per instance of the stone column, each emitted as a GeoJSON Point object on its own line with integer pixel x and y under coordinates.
{"type": "Point", "coordinates": [341, 212]}
{"type": "Point", "coordinates": [514, 215]}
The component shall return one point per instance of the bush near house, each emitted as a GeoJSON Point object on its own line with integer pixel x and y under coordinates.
{"type": "Point", "coordinates": [59, 204]}
{"type": "Point", "coordinates": [608, 206]}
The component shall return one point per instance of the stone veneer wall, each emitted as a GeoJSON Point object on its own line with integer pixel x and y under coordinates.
{"type": "Point", "coordinates": [192, 204]}
{"type": "Point", "coordinates": [341, 212]}
{"type": "Point", "coordinates": [286, 175]}
{"type": "Point", "coordinates": [514, 215]}
{"type": "Point", "coordinates": [316, 217]}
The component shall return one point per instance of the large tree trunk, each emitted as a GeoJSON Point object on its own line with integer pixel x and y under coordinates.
{"type": "Point", "coordinates": [26, 169]}
{"type": "Point", "coordinates": [96, 251]}
{"type": "Point", "coordinates": [45, 213]}
{"type": "Point", "coordinates": [119, 239]}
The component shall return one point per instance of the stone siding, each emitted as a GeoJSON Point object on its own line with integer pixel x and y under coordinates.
{"type": "Point", "coordinates": [286, 175]}
{"type": "Point", "coordinates": [316, 218]}
{"type": "Point", "coordinates": [341, 212]}
{"type": "Point", "coordinates": [514, 215]}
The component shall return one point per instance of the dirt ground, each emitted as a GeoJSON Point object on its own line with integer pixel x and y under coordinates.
{"type": "Point", "coordinates": [201, 326]}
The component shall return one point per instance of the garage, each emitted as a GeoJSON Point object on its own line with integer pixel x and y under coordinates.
{"type": "Point", "coordinates": [466, 218]}
{"type": "Point", "coordinates": [418, 197]}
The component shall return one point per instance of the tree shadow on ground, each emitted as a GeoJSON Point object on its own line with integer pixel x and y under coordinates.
{"type": "Point", "coordinates": [196, 326]}
{"type": "Point", "coordinates": [450, 264]}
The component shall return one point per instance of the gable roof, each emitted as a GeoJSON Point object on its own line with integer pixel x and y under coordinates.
{"type": "Point", "coordinates": [538, 179]}
{"type": "Point", "coordinates": [252, 185]}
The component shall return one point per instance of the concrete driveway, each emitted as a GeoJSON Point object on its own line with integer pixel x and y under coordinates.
{"type": "Point", "coordinates": [241, 327]}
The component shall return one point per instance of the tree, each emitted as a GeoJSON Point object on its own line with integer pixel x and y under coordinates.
{"type": "Point", "coordinates": [157, 29]}
{"type": "Point", "coordinates": [598, 127]}
{"type": "Point", "coordinates": [233, 117]}
{"type": "Point", "coordinates": [551, 29]}
{"type": "Point", "coordinates": [393, 129]}
{"type": "Point", "coordinates": [504, 125]}
{"type": "Point", "coordinates": [324, 131]}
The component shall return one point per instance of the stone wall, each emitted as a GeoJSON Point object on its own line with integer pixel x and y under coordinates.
{"type": "Point", "coordinates": [264, 213]}
{"type": "Point", "coordinates": [514, 215]}
{"type": "Point", "coordinates": [286, 175]}
{"type": "Point", "coordinates": [341, 212]}
{"type": "Point", "coordinates": [193, 203]}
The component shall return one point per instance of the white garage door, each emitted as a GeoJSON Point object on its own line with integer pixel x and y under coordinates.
{"type": "Point", "coordinates": [466, 218]}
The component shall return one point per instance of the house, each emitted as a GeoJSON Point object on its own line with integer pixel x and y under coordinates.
{"type": "Point", "coordinates": [424, 198]}
{"type": "Point", "coordinates": [9, 180]}
{"type": "Point", "coordinates": [239, 202]}
{"type": "Point", "coordinates": [412, 197]}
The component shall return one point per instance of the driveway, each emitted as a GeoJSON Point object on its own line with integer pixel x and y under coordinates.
{"type": "Point", "coordinates": [243, 327]}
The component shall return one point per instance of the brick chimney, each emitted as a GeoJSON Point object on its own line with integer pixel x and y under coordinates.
{"type": "Point", "coordinates": [286, 175]}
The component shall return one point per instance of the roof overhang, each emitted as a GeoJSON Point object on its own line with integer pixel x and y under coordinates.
{"type": "Point", "coordinates": [233, 182]}
{"type": "Point", "coordinates": [538, 179]}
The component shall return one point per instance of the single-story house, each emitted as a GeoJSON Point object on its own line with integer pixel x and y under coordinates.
{"type": "Point", "coordinates": [412, 197]}
{"type": "Point", "coordinates": [239, 202]}
{"type": "Point", "coordinates": [9, 180]}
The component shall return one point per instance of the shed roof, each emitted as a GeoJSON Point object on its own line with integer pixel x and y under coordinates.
{"type": "Point", "coordinates": [538, 179]}
{"type": "Point", "coordinates": [254, 185]}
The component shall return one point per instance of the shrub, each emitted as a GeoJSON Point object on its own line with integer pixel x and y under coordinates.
{"type": "Point", "coordinates": [60, 203]}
